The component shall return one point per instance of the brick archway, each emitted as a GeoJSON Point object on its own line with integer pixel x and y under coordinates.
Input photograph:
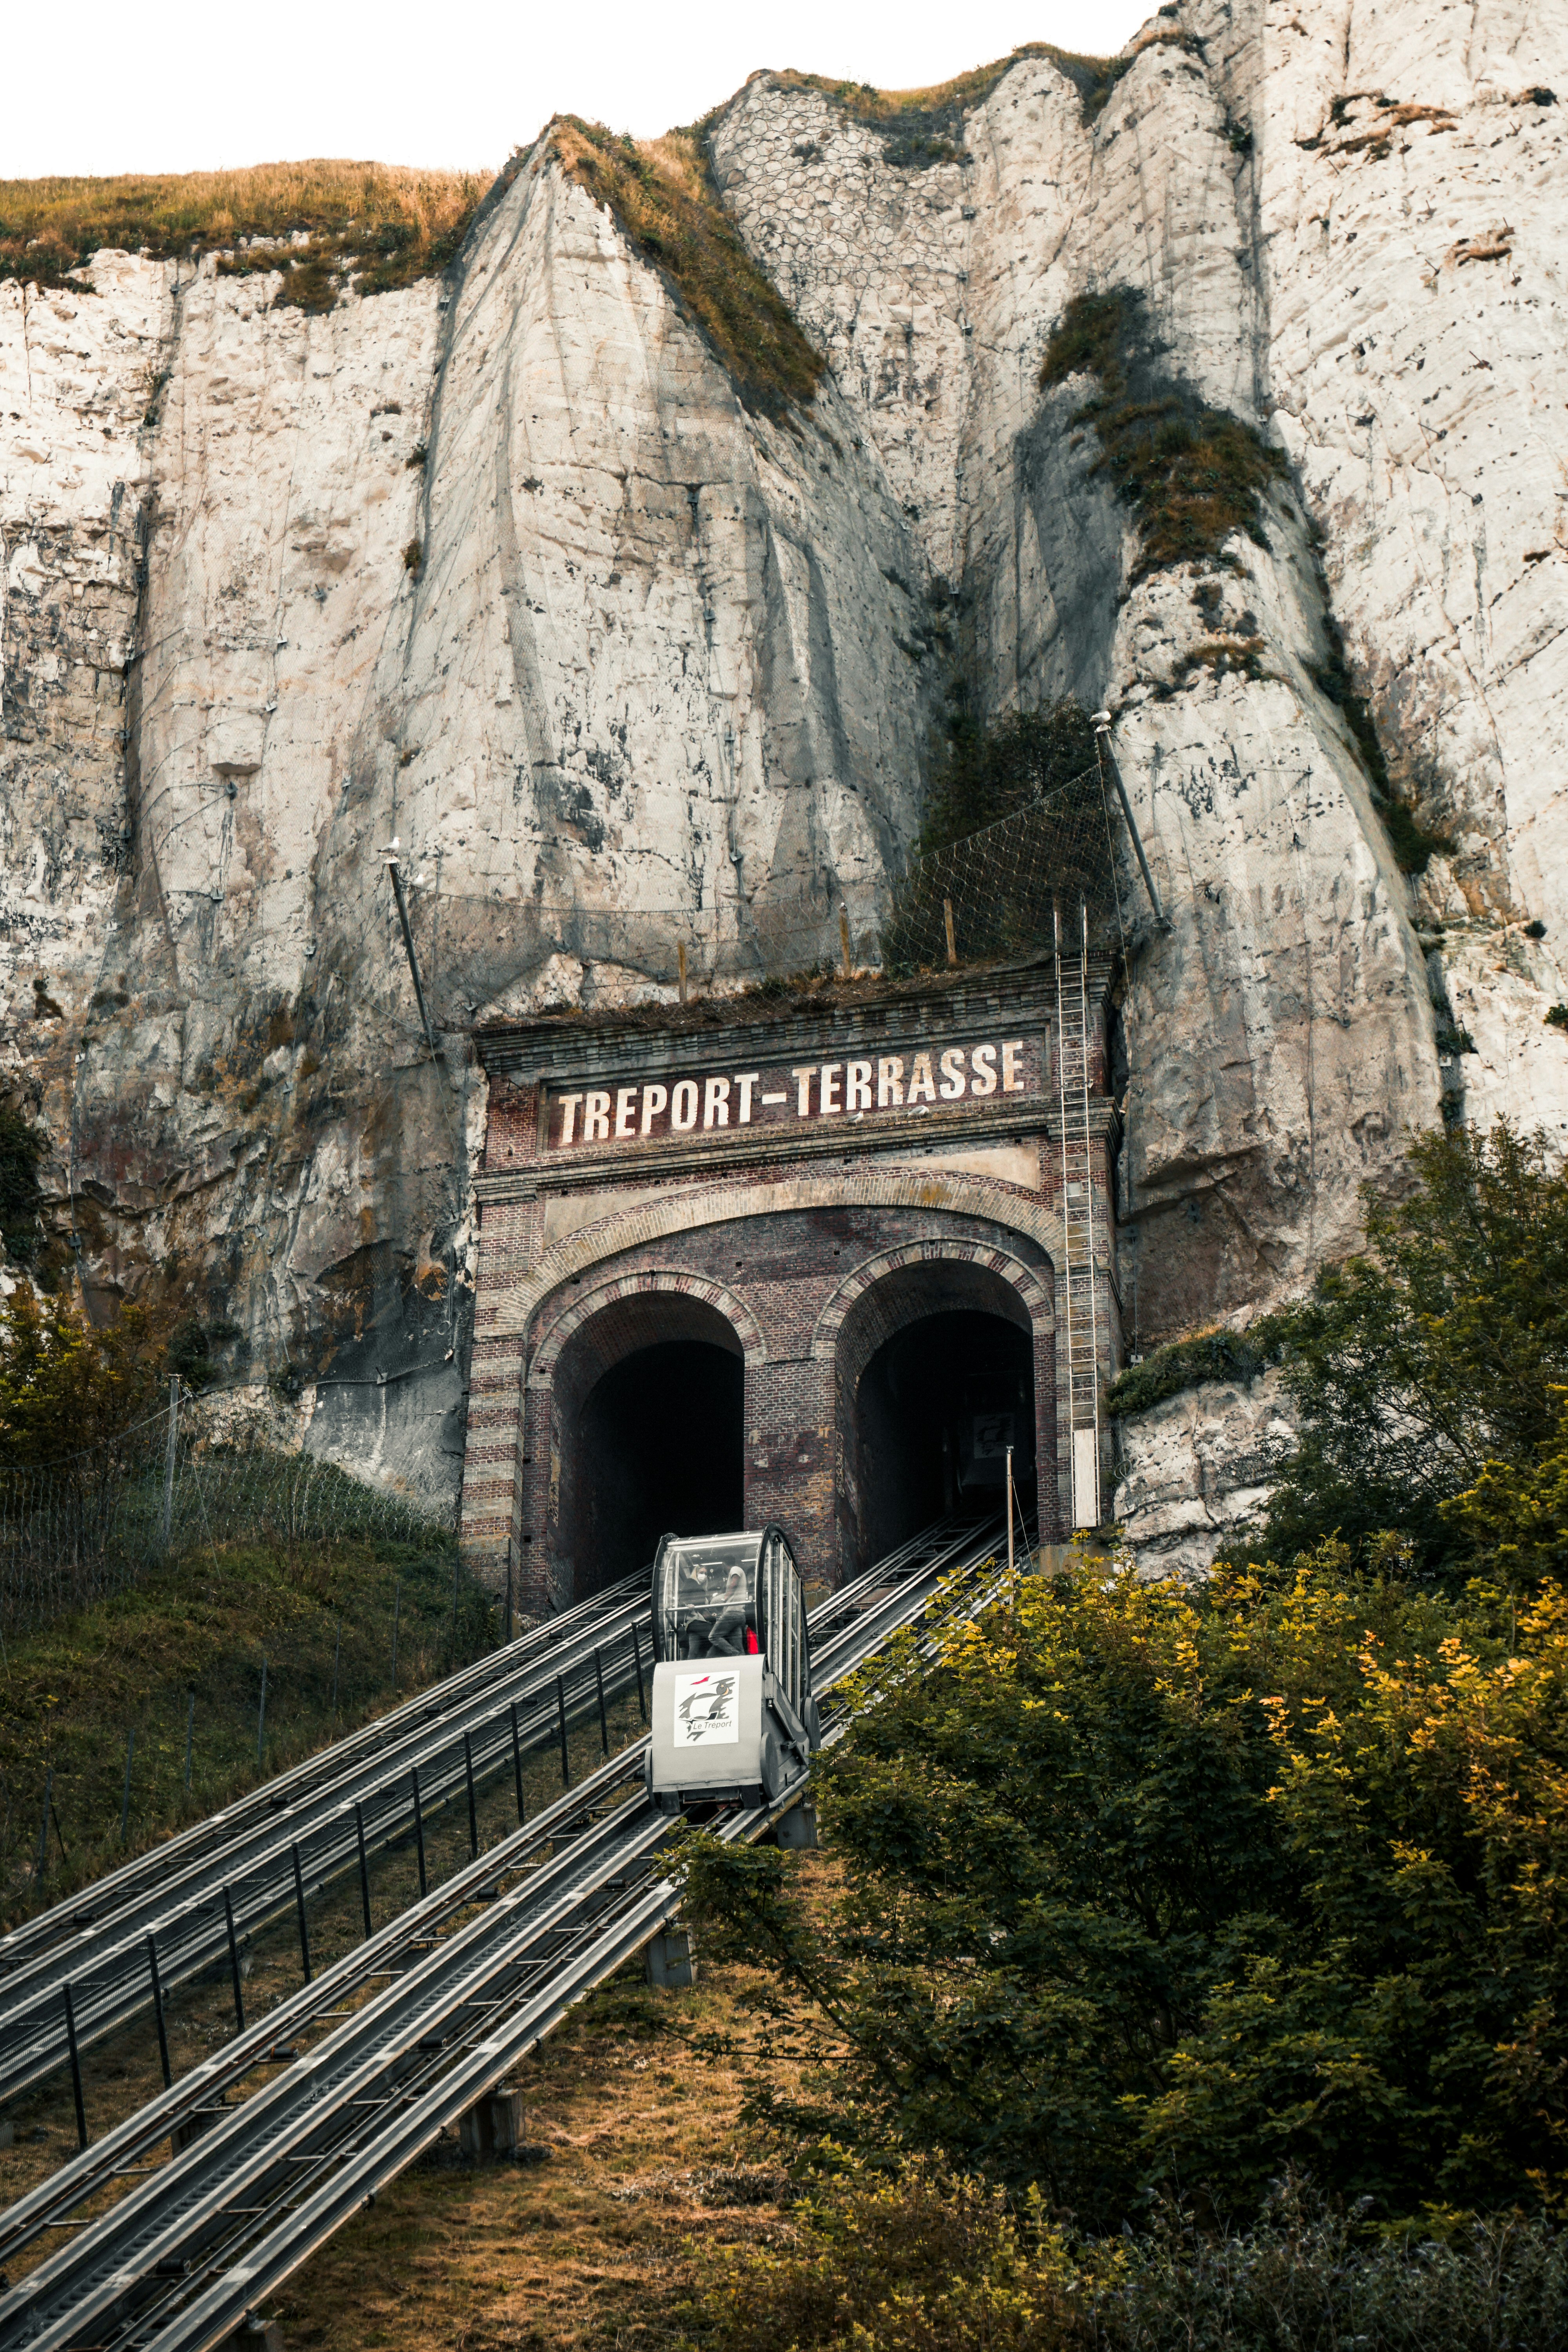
{"type": "Point", "coordinates": [630, 1405]}
{"type": "Point", "coordinates": [1000, 1314]}
{"type": "Point", "coordinates": [1012, 1270]}
{"type": "Point", "coordinates": [663, 1282]}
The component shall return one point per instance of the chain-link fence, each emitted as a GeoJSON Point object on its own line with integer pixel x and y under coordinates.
{"type": "Point", "coordinates": [996, 893]}
{"type": "Point", "coordinates": [986, 896]}
{"type": "Point", "coordinates": [203, 1474]}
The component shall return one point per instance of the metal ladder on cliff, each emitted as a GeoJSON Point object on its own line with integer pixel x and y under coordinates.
{"type": "Point", "coordinates": [1080, 1282]}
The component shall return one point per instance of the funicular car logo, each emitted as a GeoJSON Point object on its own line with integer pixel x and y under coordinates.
{"type": "Point", "coordinates": [705, 1712]}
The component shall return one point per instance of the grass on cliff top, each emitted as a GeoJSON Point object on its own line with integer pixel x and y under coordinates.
{"type": "Point", "coordinates": [941, 106]}
{"type": "Point", "coordinates": [659, 192]}
{"type": "Point", "coordinates": [395, 224]}
{"type": "Point", "coordinates": [1193, 473]}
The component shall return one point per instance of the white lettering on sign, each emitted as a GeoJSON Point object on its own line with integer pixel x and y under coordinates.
{"type": "Point", "coordinates": [919, 1080]}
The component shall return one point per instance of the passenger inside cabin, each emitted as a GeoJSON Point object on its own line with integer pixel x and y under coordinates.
{"type": "Point", "coordinates": [728, 1638]}
{"type": "Point", "coordinates": [724, 1633]}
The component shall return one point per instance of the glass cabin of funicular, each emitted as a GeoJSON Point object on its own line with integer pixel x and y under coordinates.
{"type": "Point", "coordinates": [734, 1596]}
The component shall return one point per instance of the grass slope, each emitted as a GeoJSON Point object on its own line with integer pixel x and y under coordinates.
{"type": "Point", "coordinates": [71, 1693]}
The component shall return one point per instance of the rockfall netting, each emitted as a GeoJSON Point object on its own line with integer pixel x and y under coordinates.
{"type": "Point", "coordinates": [992, 895]}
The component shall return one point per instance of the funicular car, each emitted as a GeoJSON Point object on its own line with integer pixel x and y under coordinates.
{"type": "Point", "coordinates": [733, 1716]}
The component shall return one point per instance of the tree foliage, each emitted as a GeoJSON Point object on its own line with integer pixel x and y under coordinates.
{"type": "Point", "coordinates": [927, 2261]}
{"type": "Point", "coordinates": [1147, 1890]}
{"type": "Point", "coordinates": [1429, 1372]}
{"type": "Point", "coordinates": [990, 772]}
{"type": "Point", "coordinates": [66, 1384]}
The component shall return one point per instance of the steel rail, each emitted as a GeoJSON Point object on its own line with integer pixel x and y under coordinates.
{"type": "Point", "coordinates": [241, 2207]}
{"type": "Point", "coordinates": [180, 1904]}
{"type": "Point", "coordinates": [861, 1606]}
{"type": "Point", "coordinates": [62, 1919]}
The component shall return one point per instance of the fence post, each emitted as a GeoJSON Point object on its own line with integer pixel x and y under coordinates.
{"type": "Point", "coordinates": [75, 2070]}
{"type": "Point", "coordinates": [171, 1449]}
{"type": "Point", "coordinates": [125, 1796]}
{"type": "Point", "coordinates": [452, 1639]}
{"type": "Point", "coordinates": [397, 1605]}
{"type": "Point", "coordinates": [300, 1908]}
{"type": "Point", "coordinates": [508, 1589]}
{"type": "Point", "coordinates": [364, 1865]}
{"type": "Point", "coordinates": [158, 2015]}
{"type": "Point", "coordinates": [337, 1648]}
{"type": "Point", "coordinates": [234, 1961]}
{"type": "Point", "coordinates": [952, 941]}
{"type": "Point", "coordinates": [261, 1713]}
{"type": "Point", "coordinates": [516, 1764]}
{"type": "Point", "coordinates": [44, 1832]}
{"type": "Point", "coordinates": [190, 1729]}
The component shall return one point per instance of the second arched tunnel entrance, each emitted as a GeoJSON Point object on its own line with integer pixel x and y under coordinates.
{"type": "Point", "coordinates": [935, 1382]}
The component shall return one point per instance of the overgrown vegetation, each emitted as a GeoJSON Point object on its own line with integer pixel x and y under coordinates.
{"type": "Point", "coordinates": [1193, 473]}
{"type": "Point", "coordinates": [373, 226]}
{"type": "Point", "coordinates": [990, 772]}
{"type": "Point", "coordinates": [1187, 1363]}
{"type": "Point", "coordinates": [936, 113]}
{"type": "Point", "coordinates": [661, 196]}
{"type": "Point", "coordinates": [22, 1147]}
{"type": "Point", "coordinates": [1145, 1890]}
{"type": "Point", "coordinates": [1430, 1373]}
{"type": "Point", "coordinates": [930, 2262]}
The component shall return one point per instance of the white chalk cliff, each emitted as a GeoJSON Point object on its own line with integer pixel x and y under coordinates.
{"type": "Point", "coordinates": [655, 675]}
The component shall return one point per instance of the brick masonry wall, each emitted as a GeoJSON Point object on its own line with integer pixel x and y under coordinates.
{"type": "Point", "coordinates": [803, 1268]}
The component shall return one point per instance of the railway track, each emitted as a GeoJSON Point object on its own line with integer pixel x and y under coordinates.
{"type": "Point", "coordinates": [227, 1877]}
{"type": "Point", "coordinates": [471, 1981]}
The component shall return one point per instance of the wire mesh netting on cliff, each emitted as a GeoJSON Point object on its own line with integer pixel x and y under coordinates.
{"type": "Point", "coordinates": [997, 893]}
{"type": "Point", "coordinates": [203, 1477]}
{"type": "Point", "coordinates": [990, 896]}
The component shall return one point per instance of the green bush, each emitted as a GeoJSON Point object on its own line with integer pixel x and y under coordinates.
{"type": "Point", "coordinates": [1194, 474]}
{"type": "Point", "coordinates": [1188, 1364]}
{"type": "Point", "coordinates": [1144, 1890]}
{"type": "Point", "coordinates": [21, 1146]}
{"type": "Point", "coordinates": [1433, 1367]}
{"type": "Point", "coordinates": [990, 772]}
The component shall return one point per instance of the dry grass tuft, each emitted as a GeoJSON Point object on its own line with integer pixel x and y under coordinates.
{"type": "Point", "coordinates": [1193, 473]}
{"type": "Point", "coordinates": [379, 225]}
{"type": "Point", "coordinates": [899, 111]}
{"type": "Point", "coordinates": [662, 197]}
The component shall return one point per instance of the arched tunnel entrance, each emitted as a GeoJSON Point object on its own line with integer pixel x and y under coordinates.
{"type": "Point", "coordinates": [936, 1379]}
{"type": "Point", "coordinates": [648, 1413]}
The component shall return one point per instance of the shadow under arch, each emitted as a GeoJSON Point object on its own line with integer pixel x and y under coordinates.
{"type": "Point", "coordinates": [941, 1362]}
{"type": "Point", "coordinates": [644, 1395]}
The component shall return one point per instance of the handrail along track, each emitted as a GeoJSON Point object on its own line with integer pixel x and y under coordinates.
{"type": "Point", "coordinates": [530, 1928]}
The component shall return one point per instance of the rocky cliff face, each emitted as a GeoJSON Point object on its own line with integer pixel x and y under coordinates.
{"type": "Point", "coordinates": [501, 565]}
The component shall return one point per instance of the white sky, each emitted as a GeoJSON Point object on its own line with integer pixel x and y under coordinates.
{"type": "Point", "coordinates": [196, 85]}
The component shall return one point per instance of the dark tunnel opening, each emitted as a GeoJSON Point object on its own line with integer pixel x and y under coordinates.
{"type": "Point", "coordinates": [937, 1407]}
{"type": "Point", "coordinates": [659, 1453]}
